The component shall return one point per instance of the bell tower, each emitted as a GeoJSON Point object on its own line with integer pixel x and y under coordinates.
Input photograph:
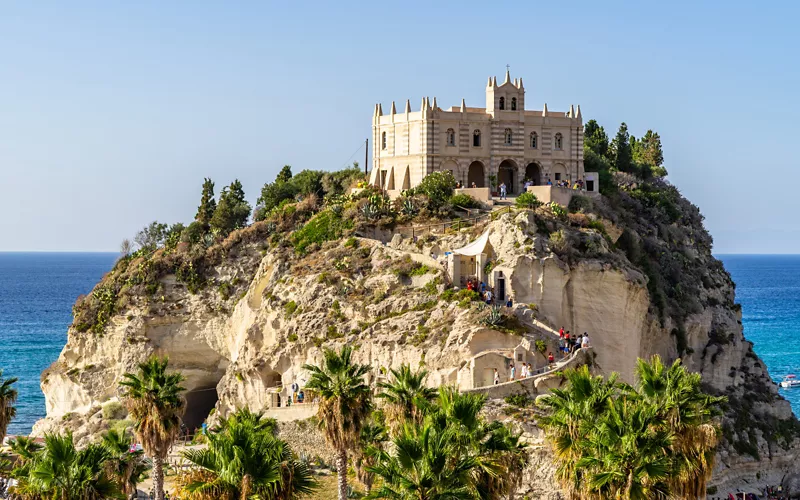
{"type": "Point", "coordinates": [509, 96]}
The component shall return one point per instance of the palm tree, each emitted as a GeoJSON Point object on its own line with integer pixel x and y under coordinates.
{"type": "Point", "coordinates": [60, 471]}
{"type": "Point", "coordinates": [570, 417]}
{"type": "Point", "coordinates": [245, 460]}
{"type": "Point", "coordinates": [405, 396]}
{"type": "Point", "coordinates": [345, 404]}
{"type": "Point", "coordinates": [153, 399]}
{"type": "Point", "coordinates": [125, 466]}
{"type": "Point", "coordinates": [370, 444]}
{"type": "Point", "coordinates": [687, 413]}
{"type": "Point", "coordinates": [426, 463]}
{"type": "Point", "coordinates": [25, 448]}
{"type": "Point", "coordinates": [8, 397]}
{"type": "Point", "coordinates": [624, 458]}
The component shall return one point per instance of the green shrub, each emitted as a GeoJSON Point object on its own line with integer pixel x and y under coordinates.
{"type": "Point", "coordinates": [557, 209]}
{"type": "Point", "coordinates": [225, 289]}
{"type": "Point", "coordinates": [406, 267]}
{"type": "Point", "coordinates": [580, 203]}
{"type": "Point", "coordinates": [114, 410]}
{"type": "Point", "coordinates": [464, 201]}
{"type": "Point", "coordinates": [290, 308]}
{"type": "Point", "coordinates": [518, 400]}
{"type": "Point", "coordinates": [325, 226]}
{"type": "Point", "coordinates": [528, 200]}
{"type": "Point", "coordinates": [292, 337]}
{"type": "Point", "coordinates": [438, 187]}
{"type": "Point", "coordinates": [351, 242]}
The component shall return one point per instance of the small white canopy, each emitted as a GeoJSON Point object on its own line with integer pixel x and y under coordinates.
{"type": "Point", "coordinates": [476, 247]}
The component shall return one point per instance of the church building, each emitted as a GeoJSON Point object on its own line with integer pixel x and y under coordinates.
{"type": "Point", "coordinates": [503, 140]}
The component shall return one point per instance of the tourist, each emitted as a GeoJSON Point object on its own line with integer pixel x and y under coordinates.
{"type": "Point", "coordinates": [562, 347]}
{"type": "Point", "coordinates": [458, 184]}
{"type": "Point", "coordinates": [561, 333]}
{"type": "Point", "coordinates": [524, 373]}
{"type": "Point", "coordinates": [550, 359]}
{"type": "Point", "coordinates": [301, 396]}
{"type": "Point", "coordinates": [530, 370]}
{"type": "Point", "coordinates": [483, 287]}
{"type": "Point", "coordinates": [549, 182]}
{"type": "Point", "coordinates": [502, 190]}
{"type": "Point", "coordinates": [496, 377]}
{"type": "Point", "coordinates": [509, 302]}
{"type": "Point", "coordinates": [488, 296]}
{"type": "Point", "coordinates": [473, 185]}
{"type": "Point", "coordinates": [585, 341]}
{"type": "Point", "coordinates": [513, 374]}
{"type": "Point", "coordinates": [577, 343]}
{"type": "Point", "coordinates": [469, 285]}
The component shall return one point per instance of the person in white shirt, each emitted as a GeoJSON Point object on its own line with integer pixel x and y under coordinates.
{"type": "Point", "coordinates": [496, 377]}
{"type": "Point", "coordinates": [513, 372]}
{"type": "Point", "coordinates": [585, 341]}
{"type": "Point", "coordinates": [524, 371]}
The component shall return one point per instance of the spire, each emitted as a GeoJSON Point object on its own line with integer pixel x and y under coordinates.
{"type": "Point", "coordinates": [544, 112]}
{"type": "Point", "coordinates": [520, 82]}
{"type": "Point", "coordinates": [579, 112]}
{"type": "Point", "coordinates": [508, 75]}
{"type": "Point", "coordinates": [494, 81]}
{"type": "Point", "coordinates": [375, 111]}
{"type": "Point", "coordinates": [408, 106]}
{"type": "Point", "coordinates": [489, 83]}
{"type": "Point", "coordinates": [394, 109]}
{"type": "Point", "coordinates": [571, 111]}
{"type": "Point", "coordinates": [424, 105]}
{"type": "Point", "coordinates": [515, 82]}
{"type": "Point", "coordinates": [434, 103]}
{"type": "Point", "coordinates": [463, 106]}
{"type": "Point", "coordinates": [380, 109]}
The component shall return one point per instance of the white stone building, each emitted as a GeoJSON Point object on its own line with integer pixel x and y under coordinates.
{"type": "Point", "coordinates": [503, 139]}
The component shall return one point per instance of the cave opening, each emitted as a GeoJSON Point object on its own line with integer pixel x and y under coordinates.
{"type": "Point", "coordinates": [199, 403]}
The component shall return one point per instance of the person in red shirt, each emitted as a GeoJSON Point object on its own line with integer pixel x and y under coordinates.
{"type": "Point", "coordinates": [561, 333]}
{"type": "Point", "coordinates": [550, 358]}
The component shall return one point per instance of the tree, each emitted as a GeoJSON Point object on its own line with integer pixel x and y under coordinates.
{"type": "Point", "coordinates": [243, 460]}
{"type": "Point", "coordinates": [8, 397]}
{"type": "Point", "coordinates": [687, 412]}
{"type": "Point", "coordinates": [151, 237]}
{"type": "Point", "coordinates": [528, 200]}
{"type": "Point", "coordinates": [622, 150]}
{"type": "Point", "coordinates": [154, 402]}
{"type": "Point", "coordinates": [285, 175]}
{"type": "Point", "coordinates": [405, 396]}
{"type": "Point", "coordinates": [438, 187]}
{"type": "Point", "coordinates": [60, 471]}
{"type": "Point", "coordinates": [370, 445]}
{"type": "Point", "coordinates": [595, 138]}
{"type": "Point", "coordinates": [232, 210]}
{"type": "Point", "coordinates": [126, 467]}
{"type": "Point", "coordinates": [344, 404]}
{"type": "Point", "coordinates": [207, 204]}
{"type": "Point", "coordinates": [426, 463]}
{"type": "Point", "coordinates": [125, 247]}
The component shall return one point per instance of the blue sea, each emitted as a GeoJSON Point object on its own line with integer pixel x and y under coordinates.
{"type": "Point", "coordinates": [37, 291]}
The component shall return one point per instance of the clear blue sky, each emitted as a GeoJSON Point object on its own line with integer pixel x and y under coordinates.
{"type": "Point", "coordinates": [112, 112]}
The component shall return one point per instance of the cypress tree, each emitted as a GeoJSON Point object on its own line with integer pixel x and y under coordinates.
{"type": "Point", "coordinates": [207, 203]}
{"type": "Point", "coordinates": [232, 210]}
{"type": "Point", "coordinates": [622, 150]}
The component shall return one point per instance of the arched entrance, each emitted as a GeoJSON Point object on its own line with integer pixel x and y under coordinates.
{"type": "Point", "coordinates": [533, 173]}
{"type": "Point", "coordinates": [476, 175]}
{"type": "Point", "coordinates": [505, 175]}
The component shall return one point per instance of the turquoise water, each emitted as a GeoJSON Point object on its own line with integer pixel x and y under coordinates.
{"type": "Point", "coordinates": [37, 291]}
{"type": "Point", "coordinates": [768, 287]}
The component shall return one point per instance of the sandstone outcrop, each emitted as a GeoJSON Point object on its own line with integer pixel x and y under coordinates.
{"type": "Point", "coordinates": [244, 343]}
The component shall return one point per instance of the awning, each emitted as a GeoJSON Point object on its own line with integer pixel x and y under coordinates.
{"type": "Point", "coordinates": [476, 247]}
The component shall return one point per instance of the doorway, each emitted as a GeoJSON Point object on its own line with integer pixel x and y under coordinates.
{"type": "Point", "coordinates": [505, 175]}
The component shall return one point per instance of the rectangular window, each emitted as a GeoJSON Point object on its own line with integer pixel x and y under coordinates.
{"type": "Point", "coordinates": [558, 176]}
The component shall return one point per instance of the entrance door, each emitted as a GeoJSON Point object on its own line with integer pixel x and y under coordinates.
{"type": "Point", "coordinates": [590, 186]}
{"type": "Point", "coordinates": [505, 175]}
{"type": "Point", "coordinates": [501, 289]}
{"type": "Point", "coordinates": [475, 174]}
{"type": "Point", "coordinates": [533, 174]}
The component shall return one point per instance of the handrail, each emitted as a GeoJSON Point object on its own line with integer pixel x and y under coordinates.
{"type": "Point", "coordinates": [457, 223]}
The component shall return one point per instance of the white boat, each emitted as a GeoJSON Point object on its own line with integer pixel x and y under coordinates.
{"type": "Point", "coordinates": [790, 381]}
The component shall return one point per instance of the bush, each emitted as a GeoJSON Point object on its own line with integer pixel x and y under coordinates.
{"type": "Point", "coordinates": [528, 200]}
{"type": "Point", "coordinates": [114, 411]}
{"type": "Point", "coordinates": [518, 400]}
{"type": "Point", "coordinates": [290, 308]}
{"type": "Point", "coordinates": [557, 209]}
{"type": "Point", "coordinates": [325, 226]}
{"type": "Point", "coordinates": [462, 200]}
{"type": "Point", "coordinates": [405, 268]}
{"type": "Point", "coordinates": [580, 203]}
{"type": "Point", "coordinates": [438, 187]}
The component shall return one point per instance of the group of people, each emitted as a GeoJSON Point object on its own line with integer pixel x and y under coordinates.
{"type": "Point", "coordinates": [461, 186]}
{"type": "Point", "coordinates": [486, 293]}
{"type": "Point", "coordinates": [569, 343]}
{"type": "Point", "coordinates": [578, 185]}
{"type": "Point", "coordinates": [526, 370]}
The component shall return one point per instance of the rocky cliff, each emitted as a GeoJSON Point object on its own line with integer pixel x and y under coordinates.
{"type": "Point", "coordinates": [240, 318]}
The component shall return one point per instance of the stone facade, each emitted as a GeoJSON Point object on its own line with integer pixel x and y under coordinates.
{"type": "Point", "coordinates": [503, 139]}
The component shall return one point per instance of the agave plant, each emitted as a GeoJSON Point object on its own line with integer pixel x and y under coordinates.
{"type": "Point", "coordinates": [408, 208]}
{"type": "Point", "coordinates": [494, 318]}
{"type": "Point", "coordinates": [370, 212]}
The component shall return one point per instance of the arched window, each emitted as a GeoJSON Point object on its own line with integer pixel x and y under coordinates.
{"type": "Point", "coordinates": [559, 141]}
{"type": "Point", "coordinates": [507, 137]}
{"type": "Point", "coordinates": [451, 137]}
{"type": "Point", "coordinates": [502, 103]}
{"type": "Point", "coordinates": [513, 104]}
{"type": "Point", "coordinates": [534, 140]}
{"type": "Point", "coordinates": [383, 140]}
{"type": "Point", "coordinates": [476, 139]}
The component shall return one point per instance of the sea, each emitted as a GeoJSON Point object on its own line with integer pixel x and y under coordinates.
{"type": "Point", "coordinates": [37, 291]}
